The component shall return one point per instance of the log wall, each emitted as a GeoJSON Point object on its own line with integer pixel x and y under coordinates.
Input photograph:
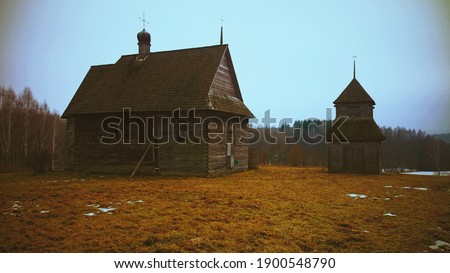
{"type": "Point", "coordinates": [218, 160]}
{"type": "Point", "coordinates": [357, 157]}
{"type": "Point", "coordinates": [184, 158]}
{"type": "Point", "coordinates": [70, 136]}
{"type": "Point", "coordinates": [90, 155]}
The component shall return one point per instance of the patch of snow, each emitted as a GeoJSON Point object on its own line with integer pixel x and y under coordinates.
{"type": "Point", "coordinates": [417, 188]}
{"type": "Point", "coordinates": [356, 195]}
{"type": "Point", "coordinates": [439, 245]}
{"type": "Point", "coordinates": [93, 205]}
{"type": "Point", "coordinates": [16, 205]}
{"type": "Point", "coordinates": [387, 198]}
{"type": "Point", "coordinates": [133, 202]}
{"type": "Point", "coordinates": [388, 186]}
{"type": "Point", "coordinates": [422, 189]}
{"type": "Point", "coordinates": [366, 231]}
{"type": "Point", "coordinates": [389, 214]}
{"type": "Point", "coordinates": [45, 211]}
{"type": "Point", "coordinates": [443, 173]}
{"type": "Point", "coordinates": [90, 214]}
{"type": "Point", "coordinates": [106, 209]}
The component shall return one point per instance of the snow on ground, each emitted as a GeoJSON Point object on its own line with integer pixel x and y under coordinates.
{"type": "Point", "coordinates": [356, 195]}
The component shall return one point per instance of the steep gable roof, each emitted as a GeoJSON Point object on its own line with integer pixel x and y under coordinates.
{"type": "Point", "coordinates": [159, 81]}
{"type": "Point", "coordinates": [354, 93]}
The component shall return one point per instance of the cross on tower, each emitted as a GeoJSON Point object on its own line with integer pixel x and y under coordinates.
{"type": "Point", "coordinates": [143, 20]}
{"type": "Point", "coordinates": [354, 67]}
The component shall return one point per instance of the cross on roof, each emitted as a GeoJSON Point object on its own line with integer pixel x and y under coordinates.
{"type": "Point", "coordinates": [143, 20]}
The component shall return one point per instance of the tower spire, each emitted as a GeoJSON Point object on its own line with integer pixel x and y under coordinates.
{"type": "Point", "coordinates": [354, 67]}
{"type": "Point", "coordinates": [221, 31]}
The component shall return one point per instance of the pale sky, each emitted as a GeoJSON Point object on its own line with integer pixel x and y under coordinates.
{"type": "Point", "coordinates": [292, 57]}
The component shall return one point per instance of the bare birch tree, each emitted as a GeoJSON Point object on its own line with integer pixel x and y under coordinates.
{"type": "Point", "coordinates": [7, 105]}
{"type": "Point", "coordinates": [29, 108]}
{"type": "Point", "coordinates": [434, 153]}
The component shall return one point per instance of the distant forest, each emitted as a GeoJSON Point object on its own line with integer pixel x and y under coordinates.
{"type": "Point", "coordinates": [402, 149]}
{"type": "Point", "coordinates": [33, 137]}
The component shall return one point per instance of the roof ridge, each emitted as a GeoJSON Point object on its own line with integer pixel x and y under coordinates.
{"type": "Point", "coordinates": [99, 65]}
{"type": "Point", "coordinates": [181, 49]}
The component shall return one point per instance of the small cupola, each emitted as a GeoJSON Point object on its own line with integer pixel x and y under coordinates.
{"type": "Point", "coordinates": [144, 41]}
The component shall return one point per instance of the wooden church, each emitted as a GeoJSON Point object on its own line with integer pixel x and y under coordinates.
{"type": "Point", "coordinates": [362, 151]}
{"type": "Point", "coordinates": [152, 86]}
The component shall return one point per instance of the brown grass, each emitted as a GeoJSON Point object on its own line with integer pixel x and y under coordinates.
{"type": "Point", "coordinates": [272, 209]}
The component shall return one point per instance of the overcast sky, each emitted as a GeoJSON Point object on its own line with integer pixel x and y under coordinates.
{"type": "Point", "coordinates": [292, 57]}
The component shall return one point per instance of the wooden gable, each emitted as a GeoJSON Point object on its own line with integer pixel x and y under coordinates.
{"type": "Point", "coordinates": [225, 81]}
{"type": "Point", "coordinates": [224, 93]}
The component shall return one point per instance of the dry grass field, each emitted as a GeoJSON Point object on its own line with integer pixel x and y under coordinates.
{"type": "Point", "coordinates": [272, 209]}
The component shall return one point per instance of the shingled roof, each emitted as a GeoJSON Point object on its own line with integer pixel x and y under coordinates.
{"type": "Point", "coordinates": [360, 129]}
{"type": "Point", "coordinates": [159, 81]}
{"type": "Point", "coordinates": [354, 93]}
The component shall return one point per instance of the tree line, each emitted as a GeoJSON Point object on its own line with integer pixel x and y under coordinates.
{"type": "Point", "coordinates": [411, 149]}
{"type": "Point", "coordinates": [402, 148]}
{"type": "Point", "coordinates": [31, 135]}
